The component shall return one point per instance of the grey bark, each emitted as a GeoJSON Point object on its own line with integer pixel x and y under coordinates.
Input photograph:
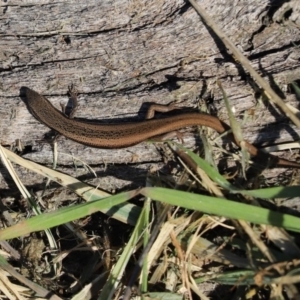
{"type": "Point", "coordinates": [121, 54]}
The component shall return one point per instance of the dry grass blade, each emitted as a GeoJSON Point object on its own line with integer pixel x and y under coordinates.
{"type": "Point", "coordinates": [127, 213]}
{"type": "Point", "coordinates": [272, 96]}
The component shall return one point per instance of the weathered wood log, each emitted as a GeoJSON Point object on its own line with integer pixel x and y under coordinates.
{"type": "Point", "coordinates": [122, 54]}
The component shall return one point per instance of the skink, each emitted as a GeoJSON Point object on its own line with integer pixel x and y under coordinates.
{"type": "Point", "coordinates": [120, 135]}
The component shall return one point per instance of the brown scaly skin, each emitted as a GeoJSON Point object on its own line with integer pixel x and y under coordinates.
{"type": "Point", "coordinates": [121, 135]}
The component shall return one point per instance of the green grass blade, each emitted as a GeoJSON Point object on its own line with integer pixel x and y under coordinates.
{"type": "Point", "coordinates": [118, 270]}
{"type": "Point", "coordinates": [224, 207]}
{"type": "Point", "coordinates": [265, 193]}
{"type": "Point", "coordinates": [64, 215]}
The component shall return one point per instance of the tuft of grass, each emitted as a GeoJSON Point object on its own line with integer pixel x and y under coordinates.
{"type": "Point", "coordinates": [197, 215]}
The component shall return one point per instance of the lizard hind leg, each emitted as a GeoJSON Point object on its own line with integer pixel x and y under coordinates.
{"type": "Point", "coordinates": [159, 108]}
{"type": "Point", "coordinates": [164, 108]}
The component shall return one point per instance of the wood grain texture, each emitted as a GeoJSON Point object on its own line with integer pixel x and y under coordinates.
{"type": "Point", "coordinates": [122, 54]}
